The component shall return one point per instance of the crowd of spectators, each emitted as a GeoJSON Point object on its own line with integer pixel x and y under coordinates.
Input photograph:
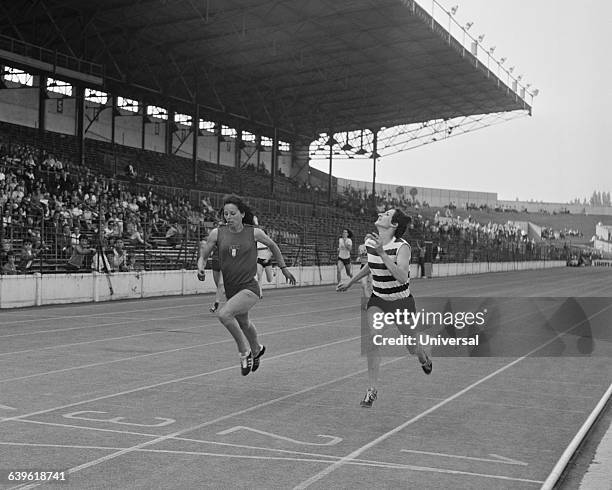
{"type": "Point", "coordinates": [551, 234]}
{"type": "Point", "coordinates": [49, 203]}
{"type": "Point", "coordinates": [359, 202]}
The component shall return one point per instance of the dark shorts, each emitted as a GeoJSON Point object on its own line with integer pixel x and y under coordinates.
{"type": "Point", "coordinates": [252, 285]}
{"type": "Point", "coordinates": [345, 261]}
{"type": "Point", "coordinates": [264, 262]}
{"type": "Point", "coordinates": [392, 306]}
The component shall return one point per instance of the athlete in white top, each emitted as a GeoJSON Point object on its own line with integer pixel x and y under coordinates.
{"type": "Point", "coordinates": [264, 263]}
{"type": "Point", "coordinates": [389, 263]}
{"type": "Point", "coordinates": [345, 246]}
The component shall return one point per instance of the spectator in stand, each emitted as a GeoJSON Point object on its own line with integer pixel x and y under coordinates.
{"type": "Point", "coordinates": [119, 224]}
{"type": "Point", "coordinates": [5, 247]}
{"type": "Point", "coordinates": [158, 225]}
{"type": "Point", "coordinates": [27, 257]}
{"type": "Point", "coordinates": [134, 232]}
{"type": "Point", "coordinates": [64, 241]}
{"type": "Point", "coordinates": [38, 245]}
{"type": "Point", "coordinates": [131, 263]}
{"type": "Point", "coordinates": [130, 171]}
{"type": "Point", "coordinates": [74, 236]}
{"type": "Point", "coordinates": [119, 257]}
{"type": "Point", "coordinates": [108, 230]}
{"type": "Point", "coordinates": [80, 253]}
{"type": "Point", "coordinates": [18, 193]}
{"type": "Point", "coordinates": [174, 235]}
{"type": "Point", "coordinates": [133, 206]}
{"type": "Point", "coordinates": [49, 163]}
{"type": "Point", "coordinates": [87, 218]}
{"type": "Point", "coordinates": [10, 268]}
{"type": "Point", "coordinates": [7, 219]}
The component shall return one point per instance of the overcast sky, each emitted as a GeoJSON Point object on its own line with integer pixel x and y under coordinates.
{"type": "Point", "coordinates": [562, 48]}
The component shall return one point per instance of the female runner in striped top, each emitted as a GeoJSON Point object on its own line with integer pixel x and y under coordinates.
{"type": "Point", "coordinates": [389, 263]}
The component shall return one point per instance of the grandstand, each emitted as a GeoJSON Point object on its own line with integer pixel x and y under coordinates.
{"type": "Point", "coordinates": [131, 120]}
{"type": "Point", "coordinates": [200, 138]}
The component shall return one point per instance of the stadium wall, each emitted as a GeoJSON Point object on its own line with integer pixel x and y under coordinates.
{"type": "Point", "coordinates": [39, 290]}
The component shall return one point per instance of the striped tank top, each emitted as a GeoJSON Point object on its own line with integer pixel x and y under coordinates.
{"type": "Point", "coordinates": [384, 285]}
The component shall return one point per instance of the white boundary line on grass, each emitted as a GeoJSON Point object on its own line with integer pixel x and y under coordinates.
{"type": "Point", "coordinates": [331, 468]}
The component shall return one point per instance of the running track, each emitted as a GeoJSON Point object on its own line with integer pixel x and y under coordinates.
{"type": "Point", "coordinates": [147, 394]}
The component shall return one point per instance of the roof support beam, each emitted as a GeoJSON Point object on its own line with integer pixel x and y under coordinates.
{"type": "Point", "coordinates": [8, 14]}
{"type": "Point", "coordinates": [58, 31]}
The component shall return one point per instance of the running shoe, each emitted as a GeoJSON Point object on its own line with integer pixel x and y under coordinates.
{"type": "Point", "coordinates": [262, 351]}
{"type": "Point", "coordinates": [369, 398]}
{"type": "Point", "coordinates": [427, 366]}
{"type": "Point", "coordinates": [214, 307]}
{"type": "Point", "coordinates": [246, 363]}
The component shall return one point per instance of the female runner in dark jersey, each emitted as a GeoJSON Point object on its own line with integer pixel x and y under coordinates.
{"type": "Point", "coordinates": [236, 242]}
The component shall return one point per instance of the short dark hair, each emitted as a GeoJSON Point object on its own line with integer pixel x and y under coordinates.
{"type": "Point", "coordinates": [402, 220]}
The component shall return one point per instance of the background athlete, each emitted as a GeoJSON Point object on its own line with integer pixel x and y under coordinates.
{"type": "Point", "coordinates": [345, 246]}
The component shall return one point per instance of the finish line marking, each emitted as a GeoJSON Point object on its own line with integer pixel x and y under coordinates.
{"type": "Point", "coordinates": [498, 458]}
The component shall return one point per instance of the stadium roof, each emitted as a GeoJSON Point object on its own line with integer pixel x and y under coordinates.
{"type": "Point", "coordinates": [305, 67]}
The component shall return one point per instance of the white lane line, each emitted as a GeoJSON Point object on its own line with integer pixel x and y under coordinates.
{"type": "Point", "coordinates": [178, 349]}
{"type": "Point", "coordinates": [193, 346]}
{"type": "Point", "coordinates": [98, 325]}
{"type": "Point", "coordinates": [141, 310]}
{"type": "Point", "coordinates": [325, 472]}
{"type": "Point", "coordinates": [80, 343]}
{"type": "Point", "coordinates": [195, 314]}
{"type": "Point", "coordinates": [496, 457]}
{"type": "Point", "coordinates": [6, 407]}
{"type": "Point", "coordinates": [184, 439]}
{"type": "Point", "coordinates": [569, 451]}
{"type": "Point", "coordinates": [366, 463]}
{"type": "Point", "coordinates": [178, 380]}
{"type": "Point", "coordinates": [330, 458]}
{"type": "Point", "coordinates": [218, 419]}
